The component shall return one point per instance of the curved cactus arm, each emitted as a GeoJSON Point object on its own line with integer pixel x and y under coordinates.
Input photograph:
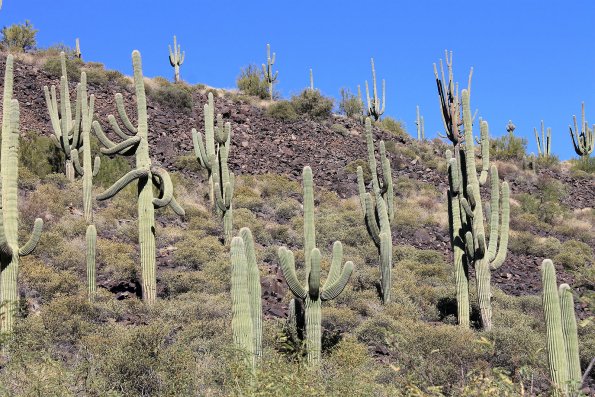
{"type": "Point", "coordinates": [361, 187]}
{"type": "Point", "coordinates": [494, 212]}
{"type": "Point", "coordinates": [116, 127]}
{"type": "Point", "coordinates": [172, 57]}
{"type": "Point", "coordinates": [504, 229]}
{"type": "Point", "coordinates": [5, 249]}
{"type": "Point", "coordinates": [333, 290]}
{"type": "Point", "coordinates": [76, 130]}
{"type": "Point", "coordinates": [371, 220]}
{"type": "Point", "coordinates": [52, 106]}
{"type": "Point", "coordinates": [466, 207]}
{"type": "Point", "coordinates": [122, 183]}
{"type": "Point", "coordinates": [96, 165]}
{"type": "Point", "coordinates": [254, 289]}
{"type": "Point", "coordinates": [314, 275]}
{"type": "Point", "coordinates": [76, 162]}
{"type": "Point", "coordinates": [176, 207]}
{"type": "Point", "coordinates": [481, 246]}
{"type": "Point", "coordinates": [33, 240]}
{"type": "Point", "coordinates": [165, 186]}
{"type": "Point", "coordinates": [485, 151]}
{"type": "Point", "coordinates": [122, 147]}
{"type": "Point", "coordinates": [386, 258]}
{"type": "Point", "coordinates": [56, 142]}
{"type": "Point", "coordinates": [335, 270]}
{"type": "Point", "coordinates": [453, 175]}
{"type": "Point", "coordinates": [223, 199]}
{"type": "Point", "coordinates": [388, 184]}
{"type": "Point", "coordinates": [368, 100]}
{"type": "Point", "coordinates": [287, 263]}
{"type": "Point", "coordinates": [123, 115]}
{"type": "Point", "coordinates": [105, 141]}
{"type": "Point", "coordinates": [199, 150]}
{"type": "Point", "coordinates": [469, 245]}
{"type": "Point", "coordinates": [569, 332]}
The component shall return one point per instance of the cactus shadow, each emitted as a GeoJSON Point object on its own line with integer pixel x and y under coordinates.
{"type": "Point", "coordinates": [447, 312]}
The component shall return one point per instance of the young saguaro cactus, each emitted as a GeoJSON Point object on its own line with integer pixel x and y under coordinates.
{"type": "Point", "coordinates": [543, 144]}
{"type": "Point", "coordinates": [267, 70]}
{"type": "Point", "coordinates": [176, 59]}
{"type": "Point", "coordinates": [213, 155]}
{"type": "Point", "coordinates": [77, 49]}
{"type": "Point", "coordinates": [379, 212]}
{"type": "Point", "coordinates": [246, 296]}
{"type": "Point", "coordinates": [311, 80]}
{"type": "Point", "coordinates": [583, 141]}
{"type": "Point", "coordinates": [374, 108]}
{"type": "Point", "coordinates": [10, 249]}
{"type": "Point", "coordinates": [419, 123]}
{"type": "Point", "coordinates": [66, 129]}
{"type": "Point", "coordinates": [147, 176]}
{"type": "Point", "coordinates": [91, 239]}
{"type": "Point", "coordinates": [312, 294]}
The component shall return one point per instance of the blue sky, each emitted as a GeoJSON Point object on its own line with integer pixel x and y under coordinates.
{"type": "Point", "coordinates": [532, 60]}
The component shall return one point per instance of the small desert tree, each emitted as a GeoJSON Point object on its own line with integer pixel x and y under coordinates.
{"type": "Point", "coordinates": [19, 37]}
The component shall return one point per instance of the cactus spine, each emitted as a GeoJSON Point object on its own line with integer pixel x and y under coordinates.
{"type": "Point", "coordinates": [419, 123]}
{"type": "Point", "coordinates": [374, 108]}
{"type": "Point", "coordinates": [66, 129]}
{"type": "Point", "coordinates": [176, 59]}
{"type": "Point", "coordinates": [312, 293]}
{"type": "Point", "coordinates": [583, 141]}
{"type": "Point", "coordinates": [562, 340]}
{"type": "Point", "coordinates": [136, 143]}
{"type": "Point", "coordinates": [10, 250]}
{"type": "Point", "coordinates": [267, 70]}
{"type": "Point", "coordinates": [91, 238]}
{"type": "Point", "coordinates": [213, 154]}
{"type": "Point", "coordinates": [379, 212]}
{"type": "Point", "coordinates": [543, 144]}
{"type": "Point", "coordinates": [246, 296]}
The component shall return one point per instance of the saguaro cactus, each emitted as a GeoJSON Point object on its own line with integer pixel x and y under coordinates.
{"type": "Point", "coordinates": [213, 155]}
{"type": "Point", "coordinates": [583, 141]}
{"type": "Point", "coordinates": [10, 250]}
{"type": "Point", "coordinates": [379, 212]}
{"type": "Point", "coordinates": [267, 70]}
{"type": "Point", "coordinates": [543, 144]}
{"type": "Point", "coordinates": [66, 129]}
{"type": "Point", "coordinates": [176, 59]}
{"type": "Point", "coordinates": [374, 108]}
{"type": "Point", "coordinates": [562, 340]}
{"type": "Point", "coordinates": [91, 239]}
{"type": "Point", "coordinates": [77, 50]}
{"type": "Point", "coordinates": [419, 123]}
{"type": "Point", "coordinates": [311, 81]}
{"type": "Point", "coordinates": [136, 143]}
{"type": "Point", "coordinates": [312, 294]}
{"type": "Point", "coordinates": [246, 296]}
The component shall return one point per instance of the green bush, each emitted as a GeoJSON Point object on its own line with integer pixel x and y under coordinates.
{"type": "Point", "coordinates": [585, 164]}
{"type": "Point", "coordinates": [508, 147]}
{"type": "Point", "coordinates": [574, 255]}
{"type": "Point", "coordinates": [174, 96]}
{"type": "Point", "coordinates": [282, 110]}
{"type": "Point", "coordinates": [40, 155]}
{"type": "Point", "coordinates": [350, 105]}
{"type": "Point", "coordinates": [313, 104]}
{"type": "Point", "coordinates": [53, 67]}
{"type": "Point", "coordinates": [250, 82]}
{"type": "Point", "coordinates": [340, 129]}
{"type": "Point", "coordinates": [19, 37]}
{"type": "Point", "coordinates": [195, 253]}
{"type": "Point", "coordinates": [392, 126]}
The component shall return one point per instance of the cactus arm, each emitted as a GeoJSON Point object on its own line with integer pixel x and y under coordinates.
{"type": "Point", "coordinates": [254, 289]}
{"type": "Point", "coordinates": [76, 162]}
{"type": "Point", "coordinates": [165, 186]}
{"type": "Point", "coordinates": [386, 255]}
{"type": "Point", "coordinates": [387, 183]}
{"type": "Point", "coordinates": [368, 100]}
{"type": "Point", "coordinates": [485, 152]}
{"type": "Point", "coordinates": [122, 147]}
{"type": "Point", "coordinates": [96, 165]}
{"type": "Point", "coordinates": [335, 270]}
{"type": "Point", "coordinates": [309, 230]}
{"type": "Point", "coordinates": [333, 290]}
{"type": "Point", "coordinates": [314, 275]}
{"type": "Point", "coordinates": [171, 57]}
{"type": "Point", "coordinates": [199, 150]}
{"type": "Point", "coordinates": [494, 212]}
{"type": "Point", "coordinates": [33, 240]}
{"type": "Point", "coordinates": [361, 187]}
{"type": "Point", "coordinates": [123, 115]}
{"type": "Point", "coordinates": [538, 141]}
{"type": "Point", "coordinates": [569, 331]}
{"type": "Point", "coordinates": [504, 229]}
{"type": "Point", "coordinates": [91, 240]}
{"type": "Point", "coordinates": [105, 141]}
{"type": "Point", "coordinates": [176, 207]}
{"type": "Point", "coordinates": [287, 263]}
{"type": "Point", "coordinates": [52, 106]}
{"type": "Point", "coordinates": [371, 220]}
{"type": "Point", "coordinates": [122, 183]}
{"type": "Point", "coordinates": [76, 131]}
{"type": "Point", "coordinates": [116, 127]}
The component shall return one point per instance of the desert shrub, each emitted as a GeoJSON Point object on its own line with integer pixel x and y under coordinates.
{"type": "Point", "coordinates": [351, 167]}
{"type": "Point", "coordinates": [546, 204]}
{"type": "Point", "coordinates": [350, 105]}
{"type": "Point", "coordinates": [392, 126]}
{"type": "Point", "coordinates": [529, 244]}
{"type": "Point", "coordinates": [45, 282]}
{"type": "Point", "coordinates": [195, 253]}
{"type": "Point", "coordinates": [250, 82]}
{"type": "Point", "coordinates": [585, 164]}
{"type": "Point", "coordinates": [279, 186]}
{"type": "Point", "coordinates": [340, 129]}
{"type": "Point", "coordinates": [19, 37]}
{"type": "Point", "coordinates": [551, 161]}
{"type": "Point", "coordinates": [116, 260]}
{"type": "Point", "coordinates": [53, 67]}
{"type": "Point", "coordinates": [574, 255]}
{"type": "Point", "coordinates": [508, 147]}
{"type": "Point", "coordinates": [282, 110]}
{"type": "Point", "coordinates": [245, 197]}
{"type": "Point", "coordinates": [40, 155]}
{"type": "Point", "coordinates": [312, 104]}
{"type": "Point", "coordinates": [96, 73]}
{"type": "Point", "coordinates": [111, 170]}
{"type": "Point", "coordinates": [174, 96]}
{"type": "Point", "coordinates": [188, 163]}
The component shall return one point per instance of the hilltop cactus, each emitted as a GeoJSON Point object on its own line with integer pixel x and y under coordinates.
{"type": "Point", "coordinates": [583, 141]}
{"type": "Point", "coordinates": [213, 155]}
{"type": "Point", "coordinates": [419, 123]}
{"type": "Point", "coordinates": [267, 70]}
{"type": "Point", "coordinates": [562, 340]}
{"type": "Point", "coordinates": [379, 212]}
{"type": "Point", "coordinates": [374, 108]}
{"type": "Point", "coordinates": [543, 144]}
{"type": "Point", "coordinates": [10, 249]}
{"type": "Point", "coordinates": [136, 143]}
{"type": "Point", "coordinates": [77, 49]}
{"type": "Point", "coordinates": [311, 81]}
{"type": "Point", "coordinates": [246, 296]}
{"type": "Point", "coordinates": [312, 294]}
{"type": "Point", "coordinates": [176, 59]}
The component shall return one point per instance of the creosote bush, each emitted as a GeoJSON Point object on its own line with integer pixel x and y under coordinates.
{"type": "Point", "coordinates": [312, 104]}
{"type": "Point", "coordinates": [282, 110]}
{"type": "Point", "coordinates": [392, 126]}
{"type": "Point", "coordinates": [250, 82]}
{"type": "Point", "coordinates": [508, 147]}
{"type": "Point", "coordinates": [350, 104]}
{"type": "Point", "coordinates": [174, 96]}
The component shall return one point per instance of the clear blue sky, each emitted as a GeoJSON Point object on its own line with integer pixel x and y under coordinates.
{"type": "Point", "coordinates": [532, 60]}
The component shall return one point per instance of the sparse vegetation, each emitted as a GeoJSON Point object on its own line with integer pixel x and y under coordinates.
{"type": "Point", "coordinates": [312, 104]}
{"type": "Point", "coordinates": [19, 37]}
{"type": "Point", "coordinates": [282, 110]}
{"type": "Point", "coordinates": [250, 82]}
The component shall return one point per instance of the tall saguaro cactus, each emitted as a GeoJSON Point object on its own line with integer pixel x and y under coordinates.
{"type": "Point", "coordinates": [545, 142]}
{"type": "Point", "coordinates": [312, 294]}
{"type": "Point", "coordinates": [311, 80]}
{"type": "Point", "coordinates": [213, 155]}
{"type": "Point", "coordinates": [145, 174]}
{"type": "Point", "coordinates": [267, 70]}
{"type": "Point", "coordinates": [583, 141]}
{"type": "Point", "coordinates": [176, 59]}
{"type": "Point", "coordinates": [419, 123]}
{"type": "Point", "coordinates": [562, 340]}
{"type": "Point", "coordinates": [10, 249]}
{"type": "Point", "coordinates": [375, 109]}
{"type": "Point", "coordinates": [246, 296]}
{"type": "Point", "coordinates": [77, 49]}
{"type": "Point", "coordinates": [379, 212]}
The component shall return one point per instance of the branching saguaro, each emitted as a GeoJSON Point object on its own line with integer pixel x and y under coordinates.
{"type": "Point", "coordinates": [375, 108]}
{"type": "Point", "coordinates": [583, 140]}
{"type": "Point", "coordinates": [379, 211]}
{"type": "Point", "coordinates": [312, 294]}
{"type": "Point", "coordinates": [267, 71]}
{"type": "Point", "coordinates": [176, 59]}
{"type": "Point", "coordinates": [135, 143]}
{"type": "Point", "coordinates": [10, 249]}
{"type": "Point", "coordinates": [545, 142]}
